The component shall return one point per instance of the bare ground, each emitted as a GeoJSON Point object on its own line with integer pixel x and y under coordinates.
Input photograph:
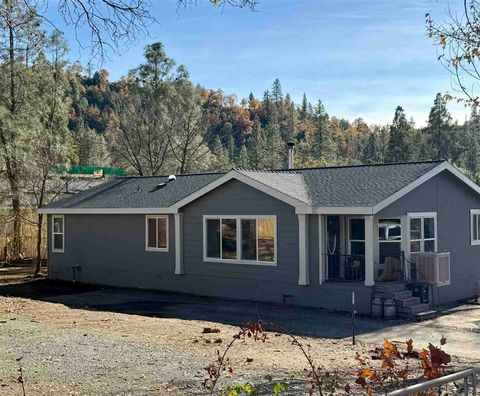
{"type": "Point", "coordinates": [75, 351]}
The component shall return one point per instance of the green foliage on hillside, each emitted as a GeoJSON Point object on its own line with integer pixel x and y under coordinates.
{"type": "Point", "coordinates": [155, 121]}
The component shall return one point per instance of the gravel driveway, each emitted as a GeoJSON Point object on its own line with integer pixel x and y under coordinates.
{"type": "Point", "coordinates": [90, 341]}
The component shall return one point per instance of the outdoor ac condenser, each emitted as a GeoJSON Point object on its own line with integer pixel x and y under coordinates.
{"type": "Point", "coordinates": [434, 268]}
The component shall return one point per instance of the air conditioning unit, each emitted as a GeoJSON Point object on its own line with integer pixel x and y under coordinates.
{"type": "Point", "coordinates": [433, 268]}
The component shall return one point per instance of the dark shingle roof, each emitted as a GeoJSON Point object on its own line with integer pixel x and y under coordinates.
{"type": "Point", "coordinates": [361, 185]}
{"type": "Point", "coordinates": [137, 192]}
{"type": "Point", "coordinates": [356, 186]}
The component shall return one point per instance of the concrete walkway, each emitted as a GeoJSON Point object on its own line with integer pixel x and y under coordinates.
{"type": "Point", "coordinates": [460, 326]}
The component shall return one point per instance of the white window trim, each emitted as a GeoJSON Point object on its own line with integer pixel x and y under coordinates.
{"type": "Point", "coordinates": [151, 249]}
{"type": "Point", "coordinates": [238, 260]}
{"type": "Point", "coordinates": [474, 212]}
{"type": "Point", "coordinates": [62, 250]}
{"type": "Point", "coordinates": [349, 243]}
{"type": "Point", "coordinates": [422, 216]}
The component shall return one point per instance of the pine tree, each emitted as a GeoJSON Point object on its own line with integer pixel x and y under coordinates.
{"type": "Point", "coordinates": [276, 154]}
{"type": "Point", "coordinates": [304, 108]}
{"type": "Point", "coordinates": [323, 145]}
{"type": "Point", "coordinates": [256, 146]}
{"type": "Point", "coordinates": [439, 137]}
{"type": "Point", "coordinates": [267, 106]}
{"type": "Point", "coordinates": [401, 143]}
{"type": "Point", "coordinates": [220, 160]}
{"type": "Point", "coordinates": [472, 145]}
{"type": "Point", "coordinates": [243, 160]}
{"type": "Point", "coordinates": [231, 149]}
{"type": "Point", "coordinates": [277, 105]}
{"type": "Point", "coordinates": [372, 150]}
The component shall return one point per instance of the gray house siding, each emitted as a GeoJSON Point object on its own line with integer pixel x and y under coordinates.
{"type": "Point", "coordinates": [256, 282]}
{"type": "Point", "coordinates": [110, 249]}
{"type": "Point", "coordinates": [452, 200]}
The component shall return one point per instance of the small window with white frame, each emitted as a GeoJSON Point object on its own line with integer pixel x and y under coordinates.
{"type": "Point", "coordinates": [240, 239]}
{"type": "Point", "coordinates": [475, 226]}
{"type": "Point", "coordinates": [58, 233]}
{"type": "Point", "coordinates": [422, 232]}
{"type": "Point", "coordinates": [156, 233]}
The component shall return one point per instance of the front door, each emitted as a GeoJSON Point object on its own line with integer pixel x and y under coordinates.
{"type": "Point", "coordinates": [333, 247]}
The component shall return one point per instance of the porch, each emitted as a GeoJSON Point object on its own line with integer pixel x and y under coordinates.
{"type": "Point", "coordinates": [370, 248]}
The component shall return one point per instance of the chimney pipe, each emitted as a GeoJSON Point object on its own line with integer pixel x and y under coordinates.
{"type": "Point", "coordinates": [291, 149]}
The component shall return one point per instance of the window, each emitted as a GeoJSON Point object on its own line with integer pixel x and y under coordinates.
{"type": "Point", "coordinates": [423, 232]}
{"type": "Point", "coordinates": [357, 237]}
{"type": "Point", "coordinates": [240, 239]}
{"type": "Point", "coordinates": [475, 226]}
{"type": "Point", "coordinates": [156, 233]}
{"type": "Point", "coordinates": [58, 234]}
{"type": "Point", "coordinates": [389, 239]}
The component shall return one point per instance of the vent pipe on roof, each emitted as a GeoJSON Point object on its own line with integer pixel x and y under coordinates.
{"type": "Point", "coordinates": [172, 178]}
{"type": "Point", "coordinates": [291, 149]}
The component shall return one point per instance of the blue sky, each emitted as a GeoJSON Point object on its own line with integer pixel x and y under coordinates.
{"type": "Point", "coordinates": [361, 58]}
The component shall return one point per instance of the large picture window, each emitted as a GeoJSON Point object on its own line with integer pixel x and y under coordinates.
{"type": "Point", "coordinates": [423, 232]}
{"type": "Point", "coordinates": [240, 239]}
{"type": "Point", "coordinates": [156, 233]}
{"type": "Point", "coordinates": [58, 234]}
{"type": "Point", "coordinates": [475, 226]}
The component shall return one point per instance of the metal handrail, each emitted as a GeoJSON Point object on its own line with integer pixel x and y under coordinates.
{"type": "Point", "coordinates": [435, 383]}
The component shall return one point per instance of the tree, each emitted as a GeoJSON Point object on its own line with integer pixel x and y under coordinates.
{"type": "Point", "coordinates": [323, 145]}
{"type": "Point", "coordinates": [49, 145]}
{"type": "Point", "coordinates": [304, 107]}
{"type": "Point", "coordinates": [401, 142]}
{"type": "Point", "coordinates": [256, 146]}
{"type": "Point", "coordinates": [439, 137]}
{"type": "Point", "coordinates": [374, 147]}
{"type": "Point", "coordinates": [471, 156]}
{"type": "Point", "coordinates": [137, 135]}
{"type": "Point", "coordinates": [243, 160]}
{"type": "Point", "coordinates": [276, 149]}
{"type": "Point", "coordinates": [458, 41]}
{"type": "Point", "coordinates": [158, 72]}
{"type": "Point", "coordinates": [20, 44]}
{"type": "Point", "coordinates": [219, 157]}
{"type": "Point", "coordinates": [277, 105]}
{"type": "Point", "coordinates": [89, 146]}
{"type": "Point", "coordinates": [190, 123]}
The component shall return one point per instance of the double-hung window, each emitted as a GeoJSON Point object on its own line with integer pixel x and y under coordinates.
{"type": "Point", "coordinates": [475, 226]}
{"type": "Point", "coordinates": [423, 232]}
{"type": "Point", "coordinates": [156, 233]}
{"type": "Point", "coordinates": [240, 239]}
{"type": "Point", "coordinates": [58, 234]}
{"type": "Point", "coordinates": [389, 239]}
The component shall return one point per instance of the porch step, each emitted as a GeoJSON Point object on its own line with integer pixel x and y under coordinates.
{"type": "Point", "coordinates": [411, 310]}
{"type": "Point", "coordinates": [399, 295]}
{"type": "Point", "coordinates": [425, 315]}
{"type": "Point", "coordinates": [390, 287]}
{"type": "Point", "coordinates": [407, 302]}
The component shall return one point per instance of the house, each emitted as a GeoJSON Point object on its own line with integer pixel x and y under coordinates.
{"type": "Point", "coordinates": [302, 236]}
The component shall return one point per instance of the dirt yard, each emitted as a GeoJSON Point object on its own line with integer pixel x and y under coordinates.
{"type": "Point", "coordinates": [69, 350]}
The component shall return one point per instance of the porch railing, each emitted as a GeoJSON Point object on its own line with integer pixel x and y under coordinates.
{"type": "Point", "coordinates": [344, 267]}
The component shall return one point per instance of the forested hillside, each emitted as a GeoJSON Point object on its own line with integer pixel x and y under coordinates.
{"type": "Point", "coordinates": [156, 121]}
